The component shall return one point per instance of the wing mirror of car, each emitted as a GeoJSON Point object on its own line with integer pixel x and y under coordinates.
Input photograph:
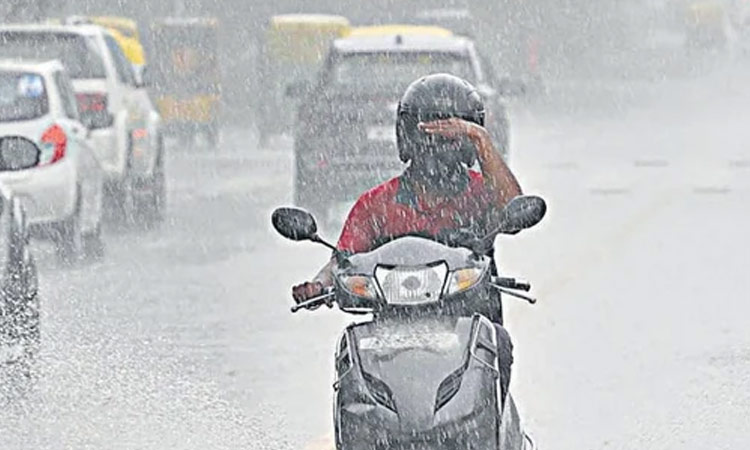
{"type": "Point", "coordinates": [142, 76]}
{"type": "Point", "coordinates": [17, 153]}
{"type": "Point", "coordinates": [512, 87]}
{"type": "Point", "coordinates": [94, 120]}
{"type": "Point", "coordinates": [139, 83]}
{"type": "Point", "coordinates": [522, 212]}
{"type": "Point", "coordinates": [297, 89]}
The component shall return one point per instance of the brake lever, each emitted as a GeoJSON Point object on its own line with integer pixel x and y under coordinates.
{"type": "Point", "coordinates": [512, 283]}
{"type": "Point", "coordinates": [324, 299]}
{"type": "Point", "coordinates": [531, 300]}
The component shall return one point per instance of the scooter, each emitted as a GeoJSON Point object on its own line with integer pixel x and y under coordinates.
{"type": "Point", "coordinates": [424, 372]}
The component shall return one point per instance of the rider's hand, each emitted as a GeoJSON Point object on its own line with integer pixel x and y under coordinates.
{"type": "Point", "coordinates": [451, 128]}
{"type": "Point", "coordinates": [307, 290]}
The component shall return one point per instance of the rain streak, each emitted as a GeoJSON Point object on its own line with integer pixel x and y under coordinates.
{"type": "Point", "coordinates": [374, 224]}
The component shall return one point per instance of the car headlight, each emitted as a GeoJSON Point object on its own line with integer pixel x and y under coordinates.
{"type": "Point", "coordinates": [360, 286]}
{"type": "Point", "coordinates": [463, 279]}
{"type": "Point", "coordinates": [411, 285]}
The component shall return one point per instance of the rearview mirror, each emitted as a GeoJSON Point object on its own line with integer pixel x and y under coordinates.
{"type": "Point", "coordinates": [17, 153]}
{"type": "Point", "coordinates": [522, 212]}
{"type": "Point", "coordinates": [294, 224]}
{"type": "Point", "coordinates": [139, 84]}
{"type": "Point", "coordinates": [142, 76]}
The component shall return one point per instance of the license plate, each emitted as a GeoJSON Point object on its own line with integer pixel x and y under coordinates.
{"type": "Point", "coordinates": [382, 133]}
{"type": "Point", "coordinates": [430, 341]}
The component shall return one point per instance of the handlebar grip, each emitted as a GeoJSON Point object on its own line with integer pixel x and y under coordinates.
{"type": "Point", "coordinates": [512, 283]}
{"type": "Point", "coordinates": [322, 299]}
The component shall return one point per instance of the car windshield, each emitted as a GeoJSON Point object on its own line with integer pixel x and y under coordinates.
{"type": "Point", "coordinates": [79, 59]}
{"type": "Point", "coordinates": [394, 71]}
{"type": "Point", "coordinates": [22, 96]}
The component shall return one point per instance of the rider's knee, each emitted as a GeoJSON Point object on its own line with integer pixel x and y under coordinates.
{"type": "Point", "coordinates": [504, 344]}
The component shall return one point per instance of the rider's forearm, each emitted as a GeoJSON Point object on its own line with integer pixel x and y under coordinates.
{"type": "Point", "coordinates": [498, 178]}
{"type": "Point", "coordinates": [325, 276]}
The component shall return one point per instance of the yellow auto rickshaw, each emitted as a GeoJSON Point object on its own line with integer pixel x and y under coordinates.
{"type": "Point", "coordinates": [185, 77]}
{"type": "Point", "coordinates": [291, 54]}
{"type": "Point", "coordinates": [125, 32]}
{"type": "Point", "coordinates": [401, 29]}
{"type": "Point", "coordinates": [706, 23]}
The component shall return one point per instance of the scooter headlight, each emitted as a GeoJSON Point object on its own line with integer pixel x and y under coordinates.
{"type": "Point", "coordinates": [411, 285]}
{"type": "Point", "coordinates": [463, 279]}
{"type": "Point", "coordinates": [360, 286]}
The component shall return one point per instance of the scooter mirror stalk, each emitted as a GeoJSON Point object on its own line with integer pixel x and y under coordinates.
{"type": "Point", "coordinates": [299, 225]}
{"type": "Point", "coordinates": [522, 212]}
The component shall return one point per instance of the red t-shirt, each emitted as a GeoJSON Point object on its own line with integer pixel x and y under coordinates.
{"type": "Point", "coordinates": [392, 209]}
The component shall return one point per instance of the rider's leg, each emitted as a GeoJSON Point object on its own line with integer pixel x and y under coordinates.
{"type": "Point", "coordinates": [504, 357]}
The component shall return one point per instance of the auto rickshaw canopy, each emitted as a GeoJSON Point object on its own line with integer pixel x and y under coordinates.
{"type": "Point", "coordinates": [303, 38]}
{"type": "Point", "coordinates": [123, 29]}
{"type": "Point", "coordinates": [395, 29]}
{"type": "Point", "coordinates": [185, 56]}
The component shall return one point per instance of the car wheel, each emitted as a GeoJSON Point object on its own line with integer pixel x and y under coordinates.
{"type": "Point", "coordinates": [121, 201]}
{"type": "Point", "coordinates": [119, 194]}
{"type": "Point", "coordinates": [69, 237]}
{"type": "Point", "coordinates": [151, 205]}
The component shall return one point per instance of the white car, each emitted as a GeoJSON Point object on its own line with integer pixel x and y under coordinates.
{"type": "Point", "coordinates": [125, 127]}
{"type": "Point", "coordinates": [45, 158]}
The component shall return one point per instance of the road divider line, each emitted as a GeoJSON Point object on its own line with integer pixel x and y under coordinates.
{"type": "Point", "coordinates": [740, 164]}
{"type": "Point", "coordinates": [711, 190]}
{"type": "Point", "coordinates": [610, 191]}
{"type": "Point", "coordinates": [653, 163]}
{"type": "Point", "coordinates": [562, 165]}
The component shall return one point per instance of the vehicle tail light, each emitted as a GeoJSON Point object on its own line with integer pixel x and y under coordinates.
{"type": "Point", "coordinates": [92, 102]}
{"type": "Point", "coordinates": [54, 143]}
{"type": "Point", "coordinates": [93, 110]}
{"type": "Point", "coordinates": [140, 133]}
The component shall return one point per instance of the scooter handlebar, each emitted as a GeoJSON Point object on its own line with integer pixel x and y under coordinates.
{"type": "Point", "coordinates": [512, 283]}
{"type": "Point", "coordinates": [326, 298]}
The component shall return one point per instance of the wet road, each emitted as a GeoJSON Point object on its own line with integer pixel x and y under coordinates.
{"type": "Point", "coordinates": [181, 338]}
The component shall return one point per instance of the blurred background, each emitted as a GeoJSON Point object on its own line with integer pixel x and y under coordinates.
{"type": "Point", "coordinates": [554, 39]}
{"type": "Point", "coordinates": [631, 122]}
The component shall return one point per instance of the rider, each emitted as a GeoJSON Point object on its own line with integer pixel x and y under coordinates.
{"type": "Point", "coordinates": [440, 132]}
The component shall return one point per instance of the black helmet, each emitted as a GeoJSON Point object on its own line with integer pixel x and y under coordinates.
{"type": "Point", "coordinates": [438, 96]}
